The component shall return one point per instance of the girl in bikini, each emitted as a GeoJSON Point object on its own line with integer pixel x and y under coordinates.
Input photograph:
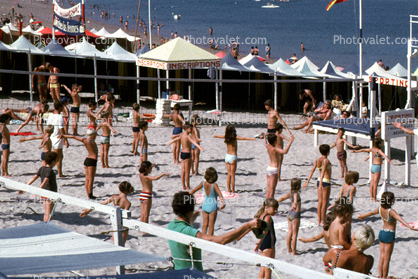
{"type": "Point", "coordinates": [323, 183]}
{"type": "Point", "coordinates": [377, 157]}
{"type": "Point", "coordinates": [387, 233]}
{"type": "Point", "coordinates": [266, 246]}
{"type": "Point", "coordinates": [231, 154]}
{"type": "Point", "coordinates": [210, 204]}
{"type": "Point", "coordinates": [146, 194]}
{"type": "Point", "coordinates": [293, 217]}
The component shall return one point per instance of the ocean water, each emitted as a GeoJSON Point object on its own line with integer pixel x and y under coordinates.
{"type": "Point", "coordinates": [325, 35]}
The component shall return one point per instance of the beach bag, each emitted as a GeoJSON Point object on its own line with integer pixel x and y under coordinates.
{"type": "Point", "coordinates": [383, 188]}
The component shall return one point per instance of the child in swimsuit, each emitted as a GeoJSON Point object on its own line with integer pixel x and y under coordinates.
{"type": "Point", "coordinates": [37, 112]}
{"type": "Point", "coordinates": [231, 154]}
{"type": "Point", "coordinates": [5, 144]}
{"type": "Point", "coordinates": [279, 144]}
{"type": "Point", "coordinates": [293, 217]}
{"type": "Point", "coordinates": [137, 117]}
{"type": "Point", "coordinates": [186, 142]}
{"type": "Point", "coordinates": [341, 153]}
{"type": "Point", "coordinates": [178, 120]}
{"type": "Point", "coordinates": [46, 142]}
{"type": "Point", "coordinates": [65, 114]}
{"type": "Point", "coordinates": [195, 151]}
{"type": "Point", "coordinates": [91, 115]}
{"type": "Point", "coordinates": [266, 246]}
{"type": "Point", "coordinates": [323, 183]}
{"type": "Point", "coordinates": [387, 233]}
{"type": "Point", "coordinates": [340, 228]}
{"type": "Point", "coordinates": [105, 138]}
{"type": "Point", "coordinates": [146, 193]}
{"type": "Point", "coordinates": [377, 157]}
{"type": "Point", "coordinates": [143, 126]}
{"type": "Point", "coordinates": [121, 200]}
{"type": "Point", "coordinates": [75, 108]}
{"type": "Point", "coordinates": [210, 203]}
{"type": "Point", "coordinates": [325, 231]}
{"type": "Point", "coordinates": [348, 190]}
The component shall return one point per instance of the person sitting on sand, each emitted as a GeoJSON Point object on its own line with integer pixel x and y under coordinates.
{"type": "Point", "coordinates": [183, 206]}
{"type": "Point", "coordinates": [37, 112]}
{"type": "Point", "coordinates": [46, 142]}
{"type": "Point", "coordinates": [354, 258]}
{"type": "Point", "coordinates": [121, 200]}
{"type": "Point", "coordinates": [90, 163]}
{"type": "Point", "coordinates": [322, 113]}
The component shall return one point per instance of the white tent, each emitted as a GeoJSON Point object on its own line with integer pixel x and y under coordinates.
{"type": "Point", "coordinates": [116, 52]}
{"type": "Point", "coordinates": [330, 69]}
{"type": "Point", "coordinates": [23, 45]}
{"type": "Point", "coordinates": [142, 50]}
{"type": "Point", "coordinates": [9, 28]}
{"type": "Point", "coordinates": [28, 29]}
{"type": "Point", "coordinates": [281, 67]}
{"type": "Point", "coordinates": [379, 71]}
{"type": "Point", "coordinates": [4, 46]}
{"type": "Point", "coordinates": [102, 32]}
{"type": "Point", "coordinates": [398, 70]}
{"type": "Point", "coordinates": [256, 65]}
{"type": "Point", "coordinates": [309, 69]}
{"type": "Point", "coordinates": [85, 49]}
{"type": "Point", "coordinates": [229, 63]}
{"type": "Point", "coordinates": [54, 48]}
{"type": "Point", "coordinates": [303, 61]}
{"type": "Point", "coordinates": [94, 31]}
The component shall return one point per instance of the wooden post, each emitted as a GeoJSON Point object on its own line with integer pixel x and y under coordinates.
{"type": "Point", "coordinates": [116, 219]}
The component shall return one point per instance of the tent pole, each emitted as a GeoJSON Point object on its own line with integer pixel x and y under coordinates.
{"type": "Point", "coordinates": [167, 82]}
{"type": "Point", "coordinates": [409, 94]}
{"type": "Point", "coordinates": [30, 78]}
{"type": "Point", "coordinates": [217, 93]}
{"type": "Point", "coordinates": [159, 84]}
{"type": "Point", "coordinates": [361, 51]}
{"type": "Point", "coordinates": [190, 86]}
{"type": "Point", "coordinates": [149, 23]}
{"type": "Point", "coordinates": [275, 91]}
{"type": "Point", "coordinates": [324, 92]}
{"type": "Point", "coordinates": [95, 79]}
{"type": "Point", "coordinates": [138, 90]}
{"type": "Point", "coordinates": [379, 97]}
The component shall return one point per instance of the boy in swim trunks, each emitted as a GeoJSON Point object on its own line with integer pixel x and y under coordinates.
{"type": "Point", "coordinates": [48, 180]}
{"type": "Point", "coordinates": [186, 159]}
{"type": "Point", "coordinates": [273, 168]}
{"type": "Point", "coordinates": [143, 126]}
{"type": "Point", "coordinates": [195, 151]}
{"type": "Point", "coordinates": [5, 144]}
{"type": "Point", "coordinates": [121, 200]}
{"type": "Point", "coordinates": [108, 106]}
{"type": "Point", "coordinates": [340, 228]}
{"type": "Point", "coordinates": [90, 163]}
{"type": "Point", "coordinates": [279, 144]}
{"type": "Point", "coordinates": [91, 115]}
{"type": "Point", "coordinates": [341, 153]}
{"type": "Point", "coordinates": [178, 120]}
{"type": "Point", "coordinates": [46, 143]}
{"type": "Point", "coordinates": [105, 138]}
{"type": "Point", "coordinates": [37, 112]}
{"type": "Point", "coordinates": [75, 108]}
{"type": "Point", "coordinates": [273, 117]}
{"type": "Point", "coordinates": [65, 113]}
{"type": "Point", "coordinates": [136, 117]}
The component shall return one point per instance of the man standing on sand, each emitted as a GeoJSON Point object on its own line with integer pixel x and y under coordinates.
{"type": "Point", "coordinates": [53, 83]}
{"type": "Point", "coordinates": [273, 116]}
{"type": "Point", "coordinates": [41, 81]}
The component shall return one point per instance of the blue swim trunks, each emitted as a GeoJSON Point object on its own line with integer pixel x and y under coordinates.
{"type": "Point", "coordinates": [386, 236]}
{"type": "Point", "coordinates": [177, 130]}
{"type": "Point", "coordinates": [376, 168]}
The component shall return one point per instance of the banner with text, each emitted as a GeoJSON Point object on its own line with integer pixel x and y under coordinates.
{"type": "Point", "coordinates": [178, 65]}
{"type": "Point", "coordinates": [67, 13]}
{"type": "Point", "coordinates": [68, 26]}
{"type": "Point", "coordinates": [406, 117]}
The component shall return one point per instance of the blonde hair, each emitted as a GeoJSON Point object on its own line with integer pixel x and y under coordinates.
{"type": "Point", "coordinates": [364, 237]}
{"type": "Point", "coordinates": [49, 129]}
{"type": "Point", "coordinates": [270, 202]}
{"type": "Point", "coordinates": [91, 132]}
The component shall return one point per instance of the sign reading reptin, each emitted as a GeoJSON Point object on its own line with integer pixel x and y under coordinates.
{"type": "Point", "coordinates": [178, 65]}
{"type": "Point", "coordinates": [406, 117]}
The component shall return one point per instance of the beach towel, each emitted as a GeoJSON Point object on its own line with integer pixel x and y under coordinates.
{"type": "Point", "coordinates": [200, 196]}
{"type": "Point", "coordinates": [22, 134]}
{"type": "Point", "coordinates": [304, 224]}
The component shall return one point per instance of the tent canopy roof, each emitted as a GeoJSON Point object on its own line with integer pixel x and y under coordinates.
{"type": "Point", "coordinates": [54, 48]}
{"type": "Point", "coordinates": [302, 61]}
{"type": "Point", "coordinates": [142, 50]}
{"type": "Point", "coordinates": [26, 249]}
{"type": "Point", "coordinates": [22, 44]}
{"type": "Point", "coordinates": [231, 64]}
{"type": "Point", "coordinates": [379, 71]}
{"type": "Point", "coordinates": [102, 32]}
{"type": "Point", "coordinates": [256, 65]}
{"type": "Point", "coordinates": [178, 50]}
{"type": "Point", "coordinates": [330, 69]}
{"type": "Point", "coordinates": [282, 67]}
{"type": "Point", "coordinates": [85, 49]}
{"type": "Point", "coordinates": [116, 52]}
{"type": "Point", "coordinates": [398, 70]}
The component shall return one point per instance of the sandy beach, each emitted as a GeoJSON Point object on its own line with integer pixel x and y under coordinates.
{"type": "Point", "coordinates": [250, 184]}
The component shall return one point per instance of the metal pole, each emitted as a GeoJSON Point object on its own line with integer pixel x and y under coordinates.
{"type": "Point", "coordinates": [217, 92]}
{"type": "Point", "coordinates": [167, 84]}
{"type": "Point", "coordinates": [372, 92]}
{"type": "Point", "coordinates": [116, 219]}
{"type": "Point", "coordinates": [324, 91]}
{"type": "Point", "coordinates": [30, 77]}
{"type": "Point", "coordinates": [275, 90]}
{"type": "Point", "coordinates": [95, 79]}
{"type": "Point", "coordinates": [361, 51]}
{"type": "Point", "coordinates": [190, 86]}
{"type": "Point", "coordinates": [408, 88]}
{"type": "Point", "coordinates": [138, 90]}
{"type": "Point", "coordinates": [159, 84]}
{"type": "Point", "coordinates": [53, 14]}
{"type": "Point", "coordinates": [149, 23]}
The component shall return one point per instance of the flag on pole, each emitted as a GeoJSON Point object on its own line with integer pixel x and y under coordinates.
{"type": "Point", "coordinates": [334, 2]}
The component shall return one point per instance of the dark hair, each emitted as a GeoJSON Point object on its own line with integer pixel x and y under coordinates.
{"type": "Point", "coordinates": [45, 107]}
{"type": "Point", "coordinates": [92, 103]}
{"type": "Point", "coordinates": [328, 220]}
{"type": "Point", "coordinates": [301, 92]}
{"type": "Point", "coordinates": [4, 117]}
{"type": "Point", "coordinates": [110, 97]}
{"type": "Point", "coordinates": [351, 177]}
{"type": "Point", "coordinates": [271, 138]}
{"type": "Point", "coordinates": [75, 85]}
{"type": "Point", "coordinates": [58, 105]}
{"type": "Point", "coordinates": [142, 124]}
{"type": "Point", "coordinates": [50, 157]}
{"type": "Point", "coordinates": [347, 113]}
{"type": "Point", "coordinates": [278, 127]}
{"type": "Point", "coordinates": [387, 199]}
{"type": "Point", "coordinates": [196, 119]}
{"type": "Point", "coordinates": [176, 107]}
{"type": "Point", "coordinates": [269, 103]}
{"type": "Point", "coordinates": [187, 126]}
{"type": "Point", "coordinates": [183, 203]}
{"type": "Point", "coordinates": [135, 106]}
{"type": "Point", "coordinates": [295, 184]}
{"type": "Point", "coordinates": [211, 175]}
{"type": "Point", "coordinates": [230, 134]}
{"type": "Point", "coordinates": [324, 149]}
{"type": "Point", "coordinates": [270, 202]}
{"type": "Point", "coordinates": [341, 129]}
{"type": "Point", "coordinates": [343, 207]}
{"type": "Point", "coordinates": [126, 187]}
{"type": "Point", "coordinates": [144, 166]}
{"type": "Point", "coordinates": [377, 143]}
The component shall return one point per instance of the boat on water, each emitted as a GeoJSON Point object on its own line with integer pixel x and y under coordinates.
{"type": "Point", "coordinates": [269, 5]}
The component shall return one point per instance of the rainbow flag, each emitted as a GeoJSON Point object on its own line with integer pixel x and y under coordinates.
{"type": "Point", "coordinates": [334, 2]}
